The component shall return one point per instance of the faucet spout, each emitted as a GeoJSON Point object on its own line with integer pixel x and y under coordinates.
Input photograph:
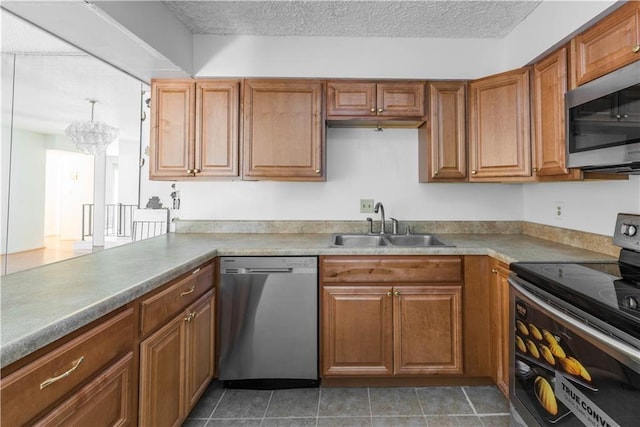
{"type": "Point", "coordinates": [379, 207]}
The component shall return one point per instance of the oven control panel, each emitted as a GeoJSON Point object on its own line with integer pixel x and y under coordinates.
{"type": "Point", "coordinates": [627, 232]}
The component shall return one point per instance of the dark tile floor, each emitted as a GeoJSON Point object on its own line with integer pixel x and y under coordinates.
{"type": "Point", "coordinates": [332, 407]}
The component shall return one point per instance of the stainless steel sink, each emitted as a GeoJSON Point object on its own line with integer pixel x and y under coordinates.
{"type": "Point", "coordinates": [415, 240]}
{"type": "Point", "coordinates": [375, 240]}
{"type": "Point", "coordinates": [358, 240]}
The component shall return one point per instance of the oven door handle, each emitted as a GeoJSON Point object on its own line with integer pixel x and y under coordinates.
{"type": "Point", "coordinates": [631, 354]}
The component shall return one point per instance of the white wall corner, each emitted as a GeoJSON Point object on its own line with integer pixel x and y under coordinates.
{"type": "Point", "coordinates": [157, 26]}
{"type": "Point", "coordinates": [550, 25]}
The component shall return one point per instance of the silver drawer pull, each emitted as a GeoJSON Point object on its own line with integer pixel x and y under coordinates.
{"type": "Point", "coordinates": [187, 292]}
{"type": "Point", "coordinates": [50, 381]}
{"type": "Point", "coordinates": [196, 271]}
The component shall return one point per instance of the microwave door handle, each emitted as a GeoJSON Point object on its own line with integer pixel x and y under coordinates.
{"type": "Point", "coordinates": [630, 355]}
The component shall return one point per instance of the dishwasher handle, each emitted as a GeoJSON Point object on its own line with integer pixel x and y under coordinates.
{"type": "Point", "coordinates": [257, 270]}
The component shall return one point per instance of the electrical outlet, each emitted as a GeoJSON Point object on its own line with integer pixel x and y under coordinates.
{"type": "Point", "coordinates": [366, 205]}
{"type": "Point", "coordinates": [558, 208]}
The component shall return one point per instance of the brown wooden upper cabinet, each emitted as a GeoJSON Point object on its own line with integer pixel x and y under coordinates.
{"type": "Point", "coordinates": [283, 130]}
{"type": "Point", "coordinates": [194, 129]}
{"type": "Point", "coordinates": [443, 138]}
{"type": "Point", "coordinates": [499, 127]}
{"type": "Point", "coordinates": [549, 133]}
{"type": "Point", "coordinates": [367, 100]}
{"type": "Point", "coordinates": [608, 45]}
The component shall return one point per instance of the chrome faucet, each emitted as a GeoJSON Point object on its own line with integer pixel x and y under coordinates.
{"type": "Point", "coordinates": [379, 207]}
{"type": "Point", "coordinates": [394, 226]}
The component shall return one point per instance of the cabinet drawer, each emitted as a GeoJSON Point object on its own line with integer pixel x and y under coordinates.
{"type": "Point", "coordinates": [30, 390]}
{"type": "Point", "coordinates": [159, 308]}
{"type": "Point", "coordinates": [368, 269]}
{"type": "Point", "coordinates": [105, 401]}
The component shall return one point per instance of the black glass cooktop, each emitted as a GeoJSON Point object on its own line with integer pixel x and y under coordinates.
{"type": "Point", "coordinates": [608, 291]}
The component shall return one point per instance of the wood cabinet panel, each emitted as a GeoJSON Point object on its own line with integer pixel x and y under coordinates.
{"type": "Point", "coordinates": [397, 99]}
{"type": "Point", "coordinates": [608, 45]}
{"type": "Point", "coordinates": [176, 364]}
{"type": "Point", "coordinates": [195, 128]}
{"type": "Point", "coordinates": [499, 127]}
{"type": "Point", "coordinates": [217, 128]}
{"type": "Point", "coordinates": [391, 269]}
{"type": "Point", "coordinates": [443, 139]}
{"type": "Point", "coordinates": [53, 376]}
{"type": "Point", "coordinates": [159, 308]}
{"type": "Point", "coordinates": [200, 354]}
{"type": "Point", "coordinates": [351, 99]}
{"type": "Point", "coordinates": [427, 329]}
{"type": "Point", "coordinates": [362, 102]}
{"type": "Point", "coordinates": [549, 132]}
{"type": "Point", "coordinates": [380, 324]}
{"type": "Point", "coordinates": [283, 130]}
{"type": "Point", "coordinates": [357, 330]}
{"type": "Point", "coordinates": [162, 373]}
{"type": "Point", "coordinates": [476, 317]}
{"type": "Point", "coordinates": [500, 328]}
{"type": "Point", "coordinates": [105, 401]}
{"type": "Point", "coordinates": [171, 151]}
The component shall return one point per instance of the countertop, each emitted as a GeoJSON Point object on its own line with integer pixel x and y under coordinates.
{"type": "Point", "coordinates": [41, 305]}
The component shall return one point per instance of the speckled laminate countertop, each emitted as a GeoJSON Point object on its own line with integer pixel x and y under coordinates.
{"type": "Point", "coordinates": [41, 305]}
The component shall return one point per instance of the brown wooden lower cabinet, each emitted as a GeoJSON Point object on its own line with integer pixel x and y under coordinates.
{"type": "Point", "coordinates": [391, 328]}
{"type": "Point", "coordinates": [499, 308]}
{"type": "Point", "coordinates": [176, 365]}
{"type": "Point", "coordinates": [105, 401]}
{"type": "Point", "coordinates": [47, 386]}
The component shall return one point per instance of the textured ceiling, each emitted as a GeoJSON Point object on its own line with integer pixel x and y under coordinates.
{"type": "Point", "coordinates": [415, 19]}
{"type": "Point", "coordinates": [53, 81]}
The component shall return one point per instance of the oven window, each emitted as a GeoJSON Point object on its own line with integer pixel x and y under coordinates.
{"type": "Point", "coordinates": [605, 122]}
{"type": "Point", "coordinates": [563, 378]}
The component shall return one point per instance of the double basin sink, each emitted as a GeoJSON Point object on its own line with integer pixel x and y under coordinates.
{"type": "Point", "coordinates": [376, 240]}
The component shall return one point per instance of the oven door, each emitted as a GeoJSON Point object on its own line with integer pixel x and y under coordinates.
{"type": "Point", "coordinates": [566, 372]}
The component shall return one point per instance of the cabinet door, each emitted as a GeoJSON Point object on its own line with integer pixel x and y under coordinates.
{"type": "Point", "coordinates": [356, 330]}
{"type": "Point", "coordinates": [499, 127]}
{"type": "Point", "coordinates": [608, 45]}
{"type": "Point", "coordinates": [499, 308]}
{"type": "Point", "coordinates": [217, 128]}
{"type": "Point", "coordinates": [351, 99]}
{"type": "Point", "coordinates": [162, 375]}
{"type": "Point", "coordinates": [172, 124]}
{"type": "Point", "coordinates": [549, 87]}
{"type": "Point", "coordinates": [200, 348]}
{"type": "Point", "coordinates": [283, 130]}
{"type": "Point", "coordinates": [427, 330]}
{"type": "Point", "coordinates": [105, 401]}
{"type": "Point", "coordinates": [400, 99]}
{"type": "Point", "coordinates": [443, 139]}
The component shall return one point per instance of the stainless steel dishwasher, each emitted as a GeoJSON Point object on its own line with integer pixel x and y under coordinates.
{"type": "Point", "coordinates": [268, 322]}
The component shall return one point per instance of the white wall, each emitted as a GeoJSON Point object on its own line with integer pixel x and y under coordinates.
{"type": "Point", "coordinates": [549, 24]}
{"type": "Point", "coordinates": [361, 163]}
{"type": "Point", "coordinates": [6, 96]}
{"type": "Point", "coordinates": [69, 186]}
{"type": "Point", "coordinates": [355, 157]}
{"type": "Point", "coordinates": [252, 56]}
{"type": "Point", "coordinates": [26, 201]}
{"type": "Point", "coordinates": [588, 206]}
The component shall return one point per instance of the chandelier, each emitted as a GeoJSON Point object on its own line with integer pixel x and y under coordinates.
{"type": "Point", "coordinates": [91, 137]}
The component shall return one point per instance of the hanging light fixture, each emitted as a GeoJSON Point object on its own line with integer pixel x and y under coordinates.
{"type": "Point", "coordinates": [91, 137]}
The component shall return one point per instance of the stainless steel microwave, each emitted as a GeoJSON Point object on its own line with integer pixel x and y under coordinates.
{"type": "Point", "coordinates": [603, 123]}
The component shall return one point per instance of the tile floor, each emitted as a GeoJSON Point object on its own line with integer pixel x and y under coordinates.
{"type": "Point", "coordinates": [333, 407]}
